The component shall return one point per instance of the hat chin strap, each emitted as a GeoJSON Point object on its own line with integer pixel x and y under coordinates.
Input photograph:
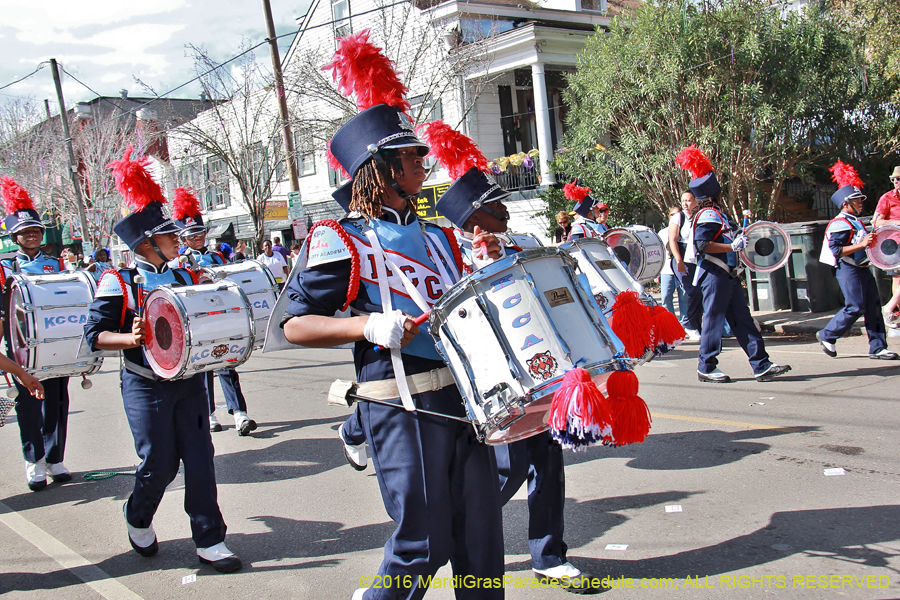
{"type": "Point", "coordinates": [156, 249]}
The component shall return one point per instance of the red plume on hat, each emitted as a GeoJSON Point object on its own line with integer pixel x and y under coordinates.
{"type": "Point", "coordinates": [575, 192]}
{"type": "Point", "coordinates": [456, 152]}
{"type": "Point", "coordinates": [134, 181]}
{"type": "Point", "coordinates": [15, 197]}
{"type": "Point", "coordinates": [844, 174]}
{"type": "Point", "coordinates": [361, 68]}
{"type": "Point", "coordinates": [185, 204]}
{"type": "Point", "coordinates": [692, 159]}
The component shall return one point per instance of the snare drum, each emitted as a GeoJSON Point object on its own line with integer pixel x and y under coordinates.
{"type": "Point", "coordinates": [47, 314]}
{"type": "Point", "coordinates": [508, 333]}
{"type": "Point", "coordinates": [519, 240]}
{"type": "Point", "coordinates": [606, 275]}
{"type": "Point", "coordinates": [197, 328]}
{"type": "Point", "coordinates": [640, 250]}
{"type": "Point", "coordinates": [258, 284]}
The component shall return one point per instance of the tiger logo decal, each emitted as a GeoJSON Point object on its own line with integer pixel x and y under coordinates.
{"type": "Point", "coordinates": [542, 365]}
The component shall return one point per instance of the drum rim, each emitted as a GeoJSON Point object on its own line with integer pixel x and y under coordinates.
{"type": "Point", "coordinates": [877, 263]}
{"type": "Point", "coordinates": [781, 263]}
{"type": "Point", "coordinates": [166, 291]}
{"type": "Point", "coordinates": [632, 231]}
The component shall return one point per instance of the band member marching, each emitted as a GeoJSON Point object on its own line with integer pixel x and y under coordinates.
{"type": "Point", "coordinates": [42, 422]}
{"type": "Point", "coordinates": [474, 203]}
{"type": "Point", "coordinates": [437, 482]}
{"type": "Point", "coordinates": [844, 248]}
{"type": "Point", "coordinates": [187, 214]}
{"type": "Point", "coordinates": [168, 418]}
{"type": "Point", "coordinates": [584, 225]}
{"type": "Point", "coordinates": [715, 246]}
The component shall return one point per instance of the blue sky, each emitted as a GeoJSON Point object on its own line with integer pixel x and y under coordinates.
{"type": "Point", "coordinates": [107, 43]}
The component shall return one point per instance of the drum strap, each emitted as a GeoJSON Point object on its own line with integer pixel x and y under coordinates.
{"type": "Point", "coordinates": [140, 371]}
{"type": "Point", "coordinates": [386, 305]}
{"type": "Point", "coordinates": [430, 381]}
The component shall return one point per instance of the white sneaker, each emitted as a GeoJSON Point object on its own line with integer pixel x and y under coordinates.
{"type": "Point", "coordinates": [59, 472]}
{"type": "Point", "coordinates": [354, 453]}
{"type": "Point", "coordinates": [692, 334]}
{"type": "Point", "coordinates": [565, 570]}
{"type": "Point", "coordinates": [891, 318]}
{"type": "Point", "coordinates": [358, 594]}
{"type": "Point", "coordinates": [214, 424]}
{"type": "Point", "coordinates": [36, 475]}
{"type": "Point", "coordinates": [243, 423]}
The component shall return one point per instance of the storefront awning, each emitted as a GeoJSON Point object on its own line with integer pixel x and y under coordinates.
{"type": "Point", "coordinates": [221, 229]}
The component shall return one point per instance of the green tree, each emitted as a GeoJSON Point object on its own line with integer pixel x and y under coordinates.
{"type": "Point", "coordinates": [768, 95]}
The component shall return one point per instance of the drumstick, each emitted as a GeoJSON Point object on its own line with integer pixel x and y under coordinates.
{"type": "Point", "coordinates": [746, 219]}
{"type": "Point", "coordinates": [139, 301]}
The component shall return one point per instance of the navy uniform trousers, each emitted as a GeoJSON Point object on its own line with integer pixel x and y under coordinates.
{"type": "Point", "coordinates": [439, 484]}
{"type": "Point", "coordinates": [723, 300]}
{"type": "Point", "coordinates": [861, 299]}
{"type": "Point", "coordinates": [540, 460]}
{"type": "Point", "coordinates": [231, 388]}
{"type": "Point", "coordinates": [170, 424]}
{"type": "Point", "coordinates": [43, 423]}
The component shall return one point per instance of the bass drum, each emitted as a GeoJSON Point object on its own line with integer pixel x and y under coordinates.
{"type": "Point", "coordinates": [885, 252]}
{"type": "Point", "coordinates": [640, 250]}
{"type": "Point", "coordinates": [258, 284]}
{"type": "Point", "coordinates": [46, 316]}
{"type": "Point", "coordinates": [197, 328]}
{"type": "Point", "coordinates": [768, 247]}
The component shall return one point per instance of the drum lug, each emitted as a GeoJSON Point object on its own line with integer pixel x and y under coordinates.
{"type": "Point", "coordinates": [495, 390]}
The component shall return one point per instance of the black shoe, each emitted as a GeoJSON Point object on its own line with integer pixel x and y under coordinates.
{"type": "Point", "coordinates": [229, 564]}
{"type": "Point", "coordinates": [827, 347]}
{"type": "Point", "coordinates": [145, 552]}
{"type": "Point", "coordinates": [772, 372]}
{"type": "Point", "coordinates": [216, 428]}
{"type": "Point", "coordinates": [247, 426]}
{"type": "Point", "coordinates": [884, 354]}
{"type": "Point", "coordinates": [716, 376]}
{"type": "Point", "coordinates": [36, 486]}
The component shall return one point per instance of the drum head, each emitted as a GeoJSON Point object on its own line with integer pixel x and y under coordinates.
{"type": "Point", "coordinates": [768, 248]}
{"type": "Point", "coordinates": [885, 252]}
{"type": "Point", "coordinates": [20, 327]}
{"type": "Point", "coordinates": [166, 350]}
{"type": "Point", "coordinates": [639, 249]}
{"type": "Point", "coordinates": [627, 249]}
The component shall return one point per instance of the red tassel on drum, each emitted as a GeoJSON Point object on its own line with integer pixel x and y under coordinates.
{"type": "Point", "coordinates": [579, 415]}
{"type": "Point", "coordinates": [630, 414]}
{"type": "Point", "coordinates": [667, 329]}
{"type": "Point", "coordinates": [631, 323]}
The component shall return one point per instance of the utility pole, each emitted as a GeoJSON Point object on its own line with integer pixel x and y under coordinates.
{"type": "Point", "coordinates": [282, 101]}
{"type": "Point", "coordinates": [73, 167]}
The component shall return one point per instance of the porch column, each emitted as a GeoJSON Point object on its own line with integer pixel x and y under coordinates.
{"type": "Point", "coordinates": [542, 120]}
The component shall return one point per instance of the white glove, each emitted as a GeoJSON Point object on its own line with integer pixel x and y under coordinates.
{"type": "Point", "coordinates": [483, 261]}
{"type": "Point", "coordinates": [740, 242]}
{"type": "Point", "coordinates": [386, 329]}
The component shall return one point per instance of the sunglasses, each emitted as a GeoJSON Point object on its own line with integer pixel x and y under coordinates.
{"type": "Point", "coordinates": [603, 210]}
{"type": "Point", "coordinates": [895, 179]}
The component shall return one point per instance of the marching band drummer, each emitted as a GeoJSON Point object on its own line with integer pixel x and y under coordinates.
{"type": "Point", "coordinates": [473, 203]}
{"type": "Point", "coordinates": [167, 417]}
{"type": "Point", "coordinates": [584, 225]}
{"type": "Point", "coordinates": [42, 422]}
{"type": "Point", "coordinates": [715, 247]}
{"type": "Point", "coordinates": [187, 214]}
{"type": "Point", "coordinates": [844, 248]}
{"type": "Point", "coordinates": [437, 482]}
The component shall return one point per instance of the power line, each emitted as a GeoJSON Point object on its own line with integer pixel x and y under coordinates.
{"type": "Point", "coordinates": [39, 67]}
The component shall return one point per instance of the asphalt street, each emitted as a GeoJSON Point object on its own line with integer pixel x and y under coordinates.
{"type": "Point", "coordinates": [747, 464]}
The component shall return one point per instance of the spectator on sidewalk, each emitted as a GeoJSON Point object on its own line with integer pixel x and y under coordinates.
{"type": "Point", "coordinates": [668, 283]}
{"type": "Point", "coordinates": [277, 247]}
{"type": "Point", "coordinates": [275, 262]}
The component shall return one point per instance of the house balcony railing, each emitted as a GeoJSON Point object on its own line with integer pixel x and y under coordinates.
{"type": "Point", "coordinates": [518, 178]}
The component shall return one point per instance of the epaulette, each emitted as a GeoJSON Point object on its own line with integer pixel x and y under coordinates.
{"type": "Point", "coordinates": [329, 242]}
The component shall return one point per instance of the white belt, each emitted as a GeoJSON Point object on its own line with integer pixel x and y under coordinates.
{"type": "Point", "coordinates": [386, 389]}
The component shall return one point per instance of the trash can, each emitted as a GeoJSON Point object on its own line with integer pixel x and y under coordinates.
{"type": "Point", "coordinates": [768, 290]}
{"type": "Point", "coordinates": [812, 286]}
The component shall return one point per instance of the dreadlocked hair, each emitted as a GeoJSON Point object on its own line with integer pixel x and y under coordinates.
{"type": "Point", "coordinates": [370, 189]}
{"type": "Point", "coordinates": [711, 202]}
